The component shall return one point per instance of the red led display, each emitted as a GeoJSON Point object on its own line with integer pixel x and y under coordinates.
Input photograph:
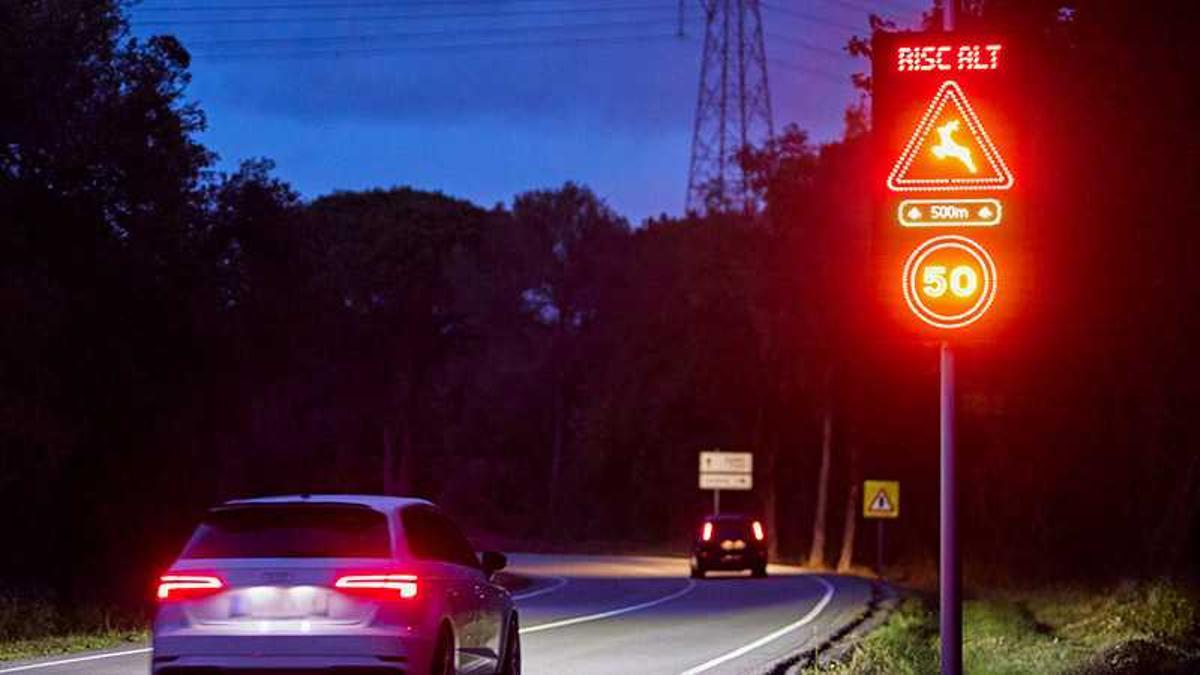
{"type": "Point", "coordinates": [946, 181]}
{"type": "Point", "coordinates": [950, 150]}
{"type": "Point", "coordinates": [947, 57]}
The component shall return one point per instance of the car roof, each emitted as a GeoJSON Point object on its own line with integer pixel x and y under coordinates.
{"type": "Point", "coordinates": [377, 502]}
{"type": "Point", "coordinates": [729, 517]}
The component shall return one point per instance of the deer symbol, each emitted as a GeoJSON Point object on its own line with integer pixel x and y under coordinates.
{"type": "Point", "coordinates": [949, 148]}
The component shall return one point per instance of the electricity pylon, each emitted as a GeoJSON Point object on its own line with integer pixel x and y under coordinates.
{"type": "Point", "coordinates": [733, 107]}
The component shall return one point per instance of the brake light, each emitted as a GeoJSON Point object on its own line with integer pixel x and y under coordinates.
{"type": "Point", "coordinates": [187, 586]}
{"type": "Point", "coordinates": [706, 533]}
{"type": "Point", "coordinates": [379, 586]}
{"type": "Point", "coordinates": [758, 530]}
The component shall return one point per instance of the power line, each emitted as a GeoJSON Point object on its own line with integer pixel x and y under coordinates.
{"type": "Point", "coordinates": [808, 70]}
{"type": "Point", "coordinates": [401, 17]}
{"type": "Point", "coordinates": [823, 73]}
{"type": "Point", "coordinates": [898, 6]}
{"type": "Point", "coordinates": [368, 37]}
{"type": "Point", "coordinates": [807, 45]}
{"type": "Point", "coordinates": [458, 46]}
{"type": "Point", "coordinates": [810, 17]}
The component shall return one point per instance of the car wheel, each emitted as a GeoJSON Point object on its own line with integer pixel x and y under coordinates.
{"type": "Point", "coordinates": [697, 572]}
{"type": "Point", "coordinates": [510, 664]}
{"type": "Point", "coordinates": [443, 653]}
{"type": "Point", "coordinates": [759, 572]}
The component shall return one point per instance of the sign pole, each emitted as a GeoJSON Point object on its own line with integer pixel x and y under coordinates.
{"type": "Point", "coordinates": [948, 278]}
{"type": "Point", "coordinates": [717, 498]}
{"type": "Point", "coordinates": [879, 550]}
{"type": "Point", "coordinates": [949, 577]}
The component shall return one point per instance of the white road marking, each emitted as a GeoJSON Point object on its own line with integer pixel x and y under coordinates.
{"type": "Point", "coordinates": [769, 637]}
{"type": "Point", "coordinates": [77, 659]}
{"type": "Point", "coordinates": [691, 584]}
{"type": "Point", "coordinates": [559, 582]}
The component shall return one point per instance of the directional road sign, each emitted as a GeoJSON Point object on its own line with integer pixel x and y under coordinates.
{"type": "Point", "coordinates": [726, 462]}
{"type": "Point", "coordinates": [726, 471]}
{"type": "Point", "coordinates": [726, 481]}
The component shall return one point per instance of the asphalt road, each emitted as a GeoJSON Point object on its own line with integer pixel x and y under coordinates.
{"type": "Point", "coordinates": [610, 614]}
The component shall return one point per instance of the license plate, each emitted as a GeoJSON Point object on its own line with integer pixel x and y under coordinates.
{"type": "Point", "coordinates": [276, 602]}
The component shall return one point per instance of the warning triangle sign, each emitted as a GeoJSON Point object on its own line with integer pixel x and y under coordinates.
{"type": "Point", "coordinates": [950, 150]}
{"type": "Point", "coordinates": [881, 503]}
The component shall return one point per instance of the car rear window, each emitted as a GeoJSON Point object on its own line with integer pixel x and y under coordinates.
{"type": "Point", "coordinates": [291, 531]}
{"type": "Point", "coordinates": [736, 529]}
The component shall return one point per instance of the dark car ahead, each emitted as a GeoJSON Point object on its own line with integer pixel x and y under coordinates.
{"type": "Point", "coordinates": [730, 542]}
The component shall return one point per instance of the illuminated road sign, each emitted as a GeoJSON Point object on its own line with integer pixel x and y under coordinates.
{"type": "Point", "coordinates": [949, 281]}
{"type": "Point", "coordinates": [949, 150]}
{"type": "Point", "coordinates": [946, 186]}
{"type": "Point", "coordinates": [949, 212]}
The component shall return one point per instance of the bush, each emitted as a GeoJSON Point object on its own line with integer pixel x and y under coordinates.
{"type": "Point", "coordinates": [31, 616]}
{"type": "Point", "coordinates": [26, 617]}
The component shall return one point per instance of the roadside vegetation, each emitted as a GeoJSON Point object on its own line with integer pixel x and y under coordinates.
{"type": "Point", "coordinates": [32, 627]}
{"type": "Point", "coordinates": [1142, 628]}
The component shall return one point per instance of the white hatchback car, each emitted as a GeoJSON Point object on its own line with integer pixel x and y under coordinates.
{"type": "Point", "coordinates": [333, 583]}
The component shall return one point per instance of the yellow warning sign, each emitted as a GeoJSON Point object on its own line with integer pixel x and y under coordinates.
{"type": "Point", "coordinates": [881, 499]}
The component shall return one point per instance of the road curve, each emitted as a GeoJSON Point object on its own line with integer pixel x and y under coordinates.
{"type": "Point", "coordinates": [643, 615]}
{"type": "Point", "coordinates": [627, 614]}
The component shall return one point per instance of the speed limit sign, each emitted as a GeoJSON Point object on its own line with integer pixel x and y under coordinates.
{"type": "Point", "coordinates": [949, 281]}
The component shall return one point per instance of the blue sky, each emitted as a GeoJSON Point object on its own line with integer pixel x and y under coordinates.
{"type": "Point", "coordinates": [357, 94]}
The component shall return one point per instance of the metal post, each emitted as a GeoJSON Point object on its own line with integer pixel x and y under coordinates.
{"type": "Point", "coordinates": [879, 549]}
{"type": "Point", "coordinates": [716, 502]}
{"type": "Point", "coordinates": [949, 578]}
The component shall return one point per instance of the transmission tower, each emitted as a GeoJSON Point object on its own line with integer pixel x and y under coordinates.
{"type": "Point", "coordinates": [733, 108]}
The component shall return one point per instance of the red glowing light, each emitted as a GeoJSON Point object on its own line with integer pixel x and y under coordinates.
{"type": "Point", "coordinates": [706, 533]}
{"type": "Point", "coordinates": [758, 530]}
{"type": "Point", "coordinates": [949, 281]}
{"type": "Point", "coordinates": [380, 586]}
{"type": "Point", "coordinates": [926, 58]}
{"type": "Point", "coordinates": [187, 586]}
{"type": "Point", "coordinates": [939, 137]}
{"type": "Point", "coordinates": [947, 110]}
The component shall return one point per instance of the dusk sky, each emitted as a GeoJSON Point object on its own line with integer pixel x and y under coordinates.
{"type": "Point", "coordinates": [483, 99]}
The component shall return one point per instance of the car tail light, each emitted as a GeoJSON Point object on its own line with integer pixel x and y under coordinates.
{"type": "Point", "coordinates": [187, 586]}
{"type": "Point", "coordinates": [706, 533]}
{"type": "Point", "coordinates": [379, 586]}
{"type": "Point", "coordinates": [759, 535]}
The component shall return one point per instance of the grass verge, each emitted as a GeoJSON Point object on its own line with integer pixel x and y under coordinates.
{"type": "Point", "coordinates": [33, 626]}
{"type": "Point", "coordinates": [52, 645]}
{"type": "Point", "coordinates": [1140, 628]}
